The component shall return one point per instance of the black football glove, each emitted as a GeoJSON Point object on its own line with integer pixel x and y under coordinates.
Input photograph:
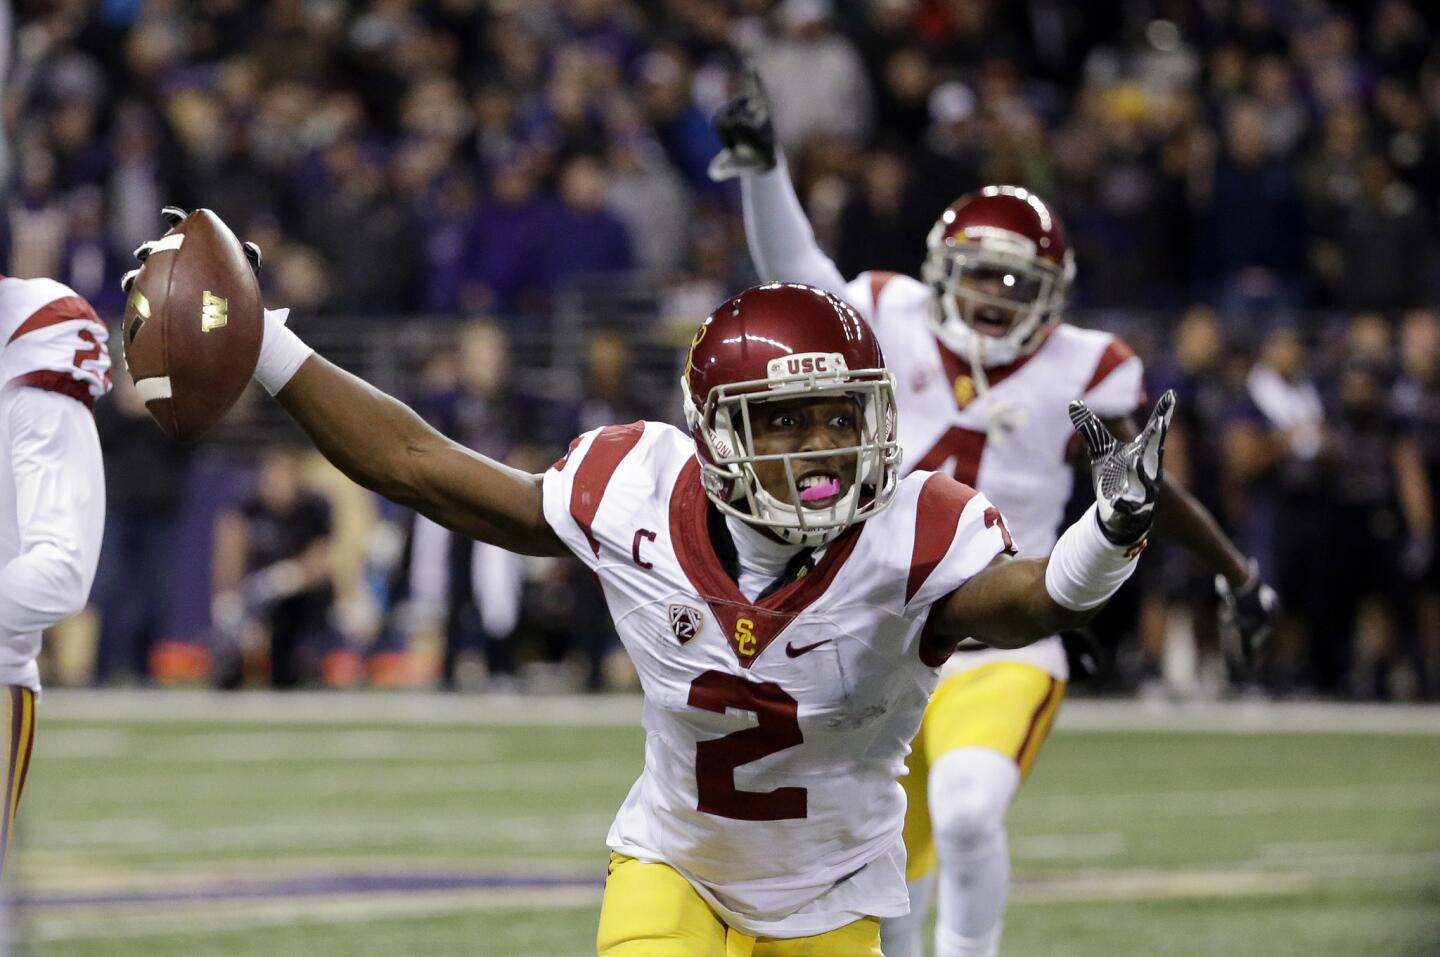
{"type": "Point", "coordinates": [744, 127]}
{"type": "Point", "coordinates": [1089, 658]}
{"type": "Point", "coordinates": [1126, 477]}
{"type": "Point", "coordinates": [1247, 616]}
{"type": "Point", "coordinates": [174, 216]}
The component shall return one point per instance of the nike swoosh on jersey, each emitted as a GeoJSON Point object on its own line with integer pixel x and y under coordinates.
{"type": "Point", "coordinates": [792, 652]}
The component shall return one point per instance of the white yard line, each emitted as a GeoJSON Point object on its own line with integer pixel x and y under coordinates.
{"type": "Point", "coordinates": [1060, 847]}
{"type": "Point", "coordinates": [446, 710]}
{"type": "Point", "coordinates": [155, 834]}
{"type": "Point", "coordinates": [264, 747]}
{"type": "Point", "coordinates": [89, 879]}
{"type": "Point", "coordinates": [185, 920]}
{"type": "Point", "coordinates": [1250, 717]}
{"type": "Point", "coordinates": [1371, 865]}
{"type": "Point", "coordinates": [341, 707]}
{"type": "Point", "coordinates": [1161, 885]}
{"type": "Point", "coordinates": [426, 776]}
{"type": "Point", "coordinates": [1064, 808]}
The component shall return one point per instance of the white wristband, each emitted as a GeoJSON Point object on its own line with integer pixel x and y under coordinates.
{"type": "Point", "coordinates": [281, 352]}
{"type": "Point", "coordinates": [1084, 568]}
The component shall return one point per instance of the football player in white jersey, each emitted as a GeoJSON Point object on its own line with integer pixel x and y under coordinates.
{"type": "Point", "coordinates": [985, 370]}
{"type": "Point", "coordinates": [53, 366]}
{"type": "Point", "coordinates": [786, 599]}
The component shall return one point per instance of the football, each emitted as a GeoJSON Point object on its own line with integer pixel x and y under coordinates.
{"type": "Point", "coordinates": [192, 326]}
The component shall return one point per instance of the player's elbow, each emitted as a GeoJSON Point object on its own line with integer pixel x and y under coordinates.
{"type": "Point", "coordinates": [62, 578]}
{"type": "Point", "coordinates": [74, 589]}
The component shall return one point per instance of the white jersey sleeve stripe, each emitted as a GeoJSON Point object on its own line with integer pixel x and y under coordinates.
{"type": "Point", "coordinates": [69, 309]}
{"type": "Point", "coordinates": [957, 534]}
{"type": "Point", "coordinates": [575, 486]}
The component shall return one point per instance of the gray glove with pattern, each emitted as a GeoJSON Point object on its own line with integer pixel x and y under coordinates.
{"type": "Point", "coordinates": [1126, 476]}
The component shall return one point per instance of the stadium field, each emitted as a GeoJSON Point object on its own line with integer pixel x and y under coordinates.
{"type": "Point", "coordinates": [360, 824]}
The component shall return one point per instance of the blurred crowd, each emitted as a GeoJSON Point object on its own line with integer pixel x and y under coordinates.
{"type": "Point", "coordinates": [1252, 188]}
{"type": "Point", "coordinates": [459, 156]}
{"type": "Point", "coordinates": [1321, 457]}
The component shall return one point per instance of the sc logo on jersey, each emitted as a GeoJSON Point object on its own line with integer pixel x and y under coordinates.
{"type": "Point", "coordinates": [745, 637]}
{"type": "Point", "coordinates": [685, 622]}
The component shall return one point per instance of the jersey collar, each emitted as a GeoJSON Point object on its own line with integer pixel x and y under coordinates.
{"type": "Point", "coordinates": [749, 628]}
{"type": "Point", "coordinates": [958, 367]}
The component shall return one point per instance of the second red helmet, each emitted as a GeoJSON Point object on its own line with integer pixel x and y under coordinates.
{"type": "Point", "coordinates": [1000, 265]}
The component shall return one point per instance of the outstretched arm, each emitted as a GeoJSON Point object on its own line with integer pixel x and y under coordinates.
{"type": "Point", "coordinates": [781, 242]}
{"type": "Point", "coordinates": [380, 443]}
{"type": "Point", "coordinates": [1248, 606]}
{"type": "Point", "coordinates": [1007, 605]}
{"type": "Point", "coordinates": [1015, 602]}
{"type": "Point", "coordinates": [1179, 517]}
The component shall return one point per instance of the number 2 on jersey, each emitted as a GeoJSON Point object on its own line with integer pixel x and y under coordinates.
{"type": "Point", "coordinates": [88, 354]}
{"type": "Point", "coordinates": [778, 728]}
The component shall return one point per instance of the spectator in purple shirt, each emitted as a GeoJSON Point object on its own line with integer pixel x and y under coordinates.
{"type": "Point", "coordinates": [582, 237]}
{"type": "Point", "coordinates": [502, 245]}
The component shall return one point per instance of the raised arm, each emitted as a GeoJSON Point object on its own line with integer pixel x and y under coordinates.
{"type": "Point", "coordinates": [1248, 605]}
{"type": "Point", "coordinates": [782, 244]}
{"type": "Point", "coordinates": [1015, 602]}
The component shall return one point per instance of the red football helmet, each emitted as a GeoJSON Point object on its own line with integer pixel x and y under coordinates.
{"type": "Point", "coordinates": [782, 341]}
{"type": "Point", "coordinates": [1000, 266]}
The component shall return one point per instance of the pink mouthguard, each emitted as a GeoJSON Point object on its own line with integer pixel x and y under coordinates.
{"type": "Point", "coordinates": [816, 492]}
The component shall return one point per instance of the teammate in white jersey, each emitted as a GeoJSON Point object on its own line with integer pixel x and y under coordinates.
{"type": "Point", "coordinates": [785, 597]}
{"type": "Point", "coordinates": [53, 366]}
{"type": "Point", "coordinates": [985, 370]}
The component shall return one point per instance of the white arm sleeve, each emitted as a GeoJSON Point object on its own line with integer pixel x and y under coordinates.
{"type": "Point", "coordinates": [781, 242]}
{"type": "Point", "coordinates": [1084, 569]}
{"type": "Point", "coordinates": [60, 511]}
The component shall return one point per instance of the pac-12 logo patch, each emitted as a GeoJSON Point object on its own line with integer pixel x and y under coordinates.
{"type": "Point", "coordinates": [685, 622]}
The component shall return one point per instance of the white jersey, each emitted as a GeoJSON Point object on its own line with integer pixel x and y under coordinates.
{"type": "Point", "coordinates": [1014, 440]}
{"type": "Point", "coordinates": [53, 365]}
{"type": "Point", "coordinates": [776, 730]}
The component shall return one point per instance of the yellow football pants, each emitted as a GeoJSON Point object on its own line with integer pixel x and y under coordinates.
{"type": "Point", "coordinates": [17, 730]}
{"type": "Point", "coordinates": [651, 911]}
{"type": "Point", "coordinates": [1007, 706]}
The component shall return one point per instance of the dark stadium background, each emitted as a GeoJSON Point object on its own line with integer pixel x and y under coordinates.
{"type": "Point", "coordinates": [498, 210]}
